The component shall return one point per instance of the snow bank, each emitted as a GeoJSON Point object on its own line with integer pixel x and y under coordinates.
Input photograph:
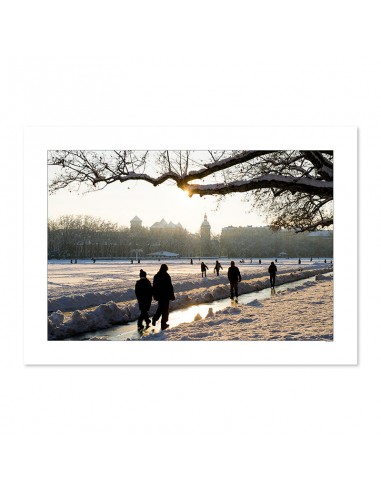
{"type": "Point", "coordinates": [81, 301]}
{"type": "Point", "coordinates": [104, 316]}
{"type": "Point", "coordinates": [323, 277]}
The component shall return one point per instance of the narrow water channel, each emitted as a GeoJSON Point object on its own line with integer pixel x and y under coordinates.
{"type": "Point", "coordinates": [185, 315]}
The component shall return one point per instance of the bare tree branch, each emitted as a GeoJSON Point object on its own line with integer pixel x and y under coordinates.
{"type": "Point", "coordinates": [294, 186]}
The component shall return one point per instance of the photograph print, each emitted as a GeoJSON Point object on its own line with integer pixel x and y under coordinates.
{"type": "Point", "coordinates": [190, 245]}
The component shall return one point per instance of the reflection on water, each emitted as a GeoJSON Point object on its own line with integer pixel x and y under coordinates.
{"type": "Point", "coordinates": [185, 315]}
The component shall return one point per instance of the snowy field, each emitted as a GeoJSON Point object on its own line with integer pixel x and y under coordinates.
{"type": "Point", "coordinates": [85, 297]}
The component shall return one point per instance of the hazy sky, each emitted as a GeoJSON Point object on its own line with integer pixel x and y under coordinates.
{"type": "Point", "coordinates": [120, 202]}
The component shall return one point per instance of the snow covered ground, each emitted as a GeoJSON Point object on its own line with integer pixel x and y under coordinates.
{"type": "Point", "coordinates": [300, 313]}
{"type": "Point", "coordinates": [84, 297]}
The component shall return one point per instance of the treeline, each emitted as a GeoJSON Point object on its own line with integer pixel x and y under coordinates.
{"type": "Point", "coordinates": [264, 242]}
{"type": "Point", "coordinates": [86, 237]}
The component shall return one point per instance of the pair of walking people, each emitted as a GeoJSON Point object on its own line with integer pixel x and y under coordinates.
{"type": "Point", "coordinates": [161, 291]}
{"type": "Point", "coordinates": [234, 277]}
{"type": "Point", "coordinates": [217, 268]}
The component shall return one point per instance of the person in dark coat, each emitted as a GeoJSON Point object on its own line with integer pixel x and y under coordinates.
{"type": "Point", "coordinates": [272, 271]}
{"type": "Point", "coordinates": [162, 293]}
{"type": "Point", "coordinates": [203, 269]}
{"type": "Point", "coordinates": [234, 276]}
{"type": "Point", "coordinates": [218, 267]}
{"type": "Point", "coordinates": [143, 291]}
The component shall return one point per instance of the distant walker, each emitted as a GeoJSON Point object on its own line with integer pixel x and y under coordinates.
{"type": "Point", "coordinates": [272, 271]}
{"type": "Point", "coordinates": [217, 268]}
{"type": "Point", "coordinates": [203, 269]}
{"type": "Point", "coordinates": [143, 291]}
{"type": "Point", "coordinates": [234, 276]}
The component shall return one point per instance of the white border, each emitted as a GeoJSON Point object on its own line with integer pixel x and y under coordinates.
{"type": "Point", "coordinates": [38, 350]}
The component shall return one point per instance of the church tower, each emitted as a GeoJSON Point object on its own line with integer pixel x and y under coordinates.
{"type": "Point", "coordinates": [205, 236]}
{"type": "Point", "coordinates": [135, 223]}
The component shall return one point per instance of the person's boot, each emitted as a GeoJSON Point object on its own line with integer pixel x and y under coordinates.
{"type": "Point", "coordinates": [164, 327]}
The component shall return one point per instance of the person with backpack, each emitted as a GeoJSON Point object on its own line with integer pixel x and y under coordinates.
{"type": "Point", "coordinates": [143, 291]}
{"type": "Point", "coordinates": [162, 293]}
{"type": "Point", "coordinates": [234, 276]}
{"type": "Point", "coordinates": [272, 271]}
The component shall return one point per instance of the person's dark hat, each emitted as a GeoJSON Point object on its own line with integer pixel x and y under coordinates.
{"type": "Point", "coordinates": [143, 273]}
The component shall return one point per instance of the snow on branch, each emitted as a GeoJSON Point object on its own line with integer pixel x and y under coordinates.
{"type": "Point", "coordinates": [304, 185]}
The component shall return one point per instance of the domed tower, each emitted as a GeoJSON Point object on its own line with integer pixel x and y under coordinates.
{"type": "Point", "coordinates": [205, 236]}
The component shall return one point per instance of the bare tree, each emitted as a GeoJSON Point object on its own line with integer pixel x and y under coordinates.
{"type": "Point", "coordinates": [294, 187]}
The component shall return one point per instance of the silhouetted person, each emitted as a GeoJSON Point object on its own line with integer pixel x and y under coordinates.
{"type": "Point", "coordinates": [310, 259]}
{"type": "Point", "coordinates": [71, 262]}
{"type": "Point", "coordinates": [234, 277]}
{"type": "Point", "coordinates": [276, 260]}
{"type": "Point", "coordinates": [299, 261]}
{"type": "Point", "coordinates": [272, 271]}
{"type": "Point", "coordinates": [217, 267]}
{"type": "Point", "coordinates": [325, 261]}
{"type": "Point", "coordinates": [259, 261]}
{"type": "Point", "coordinates": [203, 269]}
{"type": "Point", "coordinates": [139, 260]}
{"type": "Point", "coordinates": [191, 261]}
{"type": "Point", "coordinates": [143, 291]}
{"type": "Point", "coordinates": [162, 293]}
